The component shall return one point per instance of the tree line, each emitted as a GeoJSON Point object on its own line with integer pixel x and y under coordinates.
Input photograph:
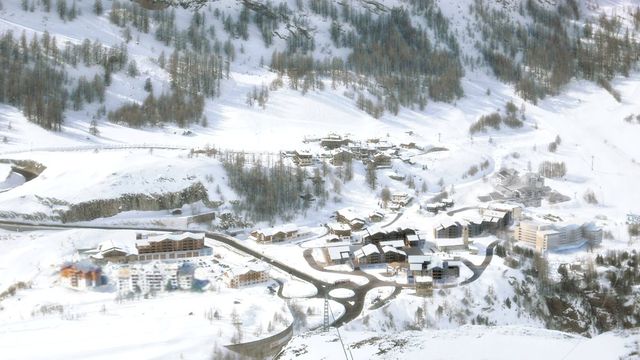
{"type": "Point", "coordinates": [36, 80]}
{"type": "Point", "coordinates": [267, 191]}
{"type": "Point", "coordinates": [545, 53]}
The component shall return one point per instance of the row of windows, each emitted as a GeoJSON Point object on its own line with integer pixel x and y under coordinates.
{"type": "Point", "coordinates": [187, 254]}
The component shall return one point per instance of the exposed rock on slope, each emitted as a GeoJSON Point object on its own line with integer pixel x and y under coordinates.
{"type": "Point", "coordinates": [94, 209]}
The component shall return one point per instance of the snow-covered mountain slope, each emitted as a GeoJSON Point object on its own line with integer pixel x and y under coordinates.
{"type": "Point", "coordinates": [594, 127]}
{"type": "Point", "coordinates": [94, 158]}
{"type": "Point", "coordinates": [234, 124]}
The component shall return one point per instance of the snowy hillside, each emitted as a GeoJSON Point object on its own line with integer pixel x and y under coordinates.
{"type": "Point", "coordinates": [214, 116]}
{"type": "Point", "coordinates": [229, 118]}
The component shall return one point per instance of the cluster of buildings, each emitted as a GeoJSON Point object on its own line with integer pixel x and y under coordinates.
{"type": "Point", "coordinates": [438, 206]}
{"type": "Point", "coordinates": [452, 233]}
{"type": "Point", "coordinates": [341, 149]}
{"type": "Point", "coordinates": [147, 264]}
{"type": "Point", "coordinates": [424, 269]}
{"type": "Point", "coordinates": [553, 237]}
{"type": "Point", "coordinates": [380, 253]}
{"type": "Point", "coordinates": [151, 264]}
{"type": "Point", "coordinates": [404, 248]}
{"type": "Point", "coordinates": [378, 246]}
{"type": "Point", "coordinates": [528, 189]}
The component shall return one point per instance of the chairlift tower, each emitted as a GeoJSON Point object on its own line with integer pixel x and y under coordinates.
{"type": "Point", "coordinates": [325, 324]}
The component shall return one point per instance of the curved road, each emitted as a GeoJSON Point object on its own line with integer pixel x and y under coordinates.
{"type": "Point", "coordinates": [353, 305]}
{"type": "Point", "coordinates": [479, 269]}
{"type": "Point", "coordinates": [452, 212]}
{"type": "Point", "coordinates": [398, 216]}
{"type": "Point", "coordinates": [355, 302]}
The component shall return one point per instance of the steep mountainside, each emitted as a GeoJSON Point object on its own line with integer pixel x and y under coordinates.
{"type": "Point", "coordinates": [176, 63]}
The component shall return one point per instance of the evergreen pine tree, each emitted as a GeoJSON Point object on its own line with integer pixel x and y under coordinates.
{"type": "Point", "coordinates": [98, 9]}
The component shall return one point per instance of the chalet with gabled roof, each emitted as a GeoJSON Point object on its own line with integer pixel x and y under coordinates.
{"type": "Point", "coordinates": [302, 158]}
{"type": "Point", "coordinates": [276, 234]}
{"type": "Point", "coordinates": [341, 156]}
{"type": "Point", "coordinates": [368, 254]}
{"type": "Point", "coordinates": [348, 216]}
{"type": "Point", "coordinates": [249, 274]}
{"type": "Point", "coordinates": [333, 141]}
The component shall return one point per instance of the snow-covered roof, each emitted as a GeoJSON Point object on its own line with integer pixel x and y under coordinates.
{"type": "Point", "coordinates": [393, 243]}
{"type": "Point", "coordinates": [366, 251]}
{"type": "Point", "coordinates": [471, 216]}
{"type": "Point", "coordinates": [332, 136]}
{"type": "Point", "coordinates": [338, 226]}
{"type": "Point", "coordinates": [386, 249]}
{"type": "Point", "coordinates": [494, 214]}
{"type": "Point", "coordinates": [384, 144]}
{"type": "Point", "coordinates": [172, 237]}
{"type": "Point", "coordinates": [424, 279]}
{"type": "Point", "coordinates": [413, 237]}
{"type": "Point", "coordinates": [434, 260]}
{"type": "Point", "coordinates": [339, 151]}
{"type": "Point", "coordinates": [502, 206]}
{"type": "Point", "coordinates": [286, 228]}
{"type": "Point", "coordinates": [246, 268]}
{"type": "Point", "coordinates": [375, 229]}
{"type": "Point", "coordinates": [448, 242]}
{"type": "Point", "coordinates": [82, 266]}
{"type": "Point", "coordinates": [338, 252]}
{"type": "Point", "coordinates": [349, 213]}
{"type": "Point", "coordinates": [418, 259]}
{"type": "Point", "coordinates": [112, 245]}
{"type": "Point", "coordinates": [448, 221]}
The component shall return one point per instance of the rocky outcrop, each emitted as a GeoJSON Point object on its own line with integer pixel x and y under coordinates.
{"type": "Point", "coordinates": [28, 168]}
{"type": "Point", "coordinates": [94, 209]}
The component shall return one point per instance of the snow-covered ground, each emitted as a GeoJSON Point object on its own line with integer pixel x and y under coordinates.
{"type": "Point", "coordinates": [341, 293]}
{"type": "Point", "coordinates": [94, 326]}
{"type": "Point", "coordinates": [168, 325]}
{"type": "Point", "coordinates": [599, 148]}
{"type": "Point", "coordinates": [465, 342]}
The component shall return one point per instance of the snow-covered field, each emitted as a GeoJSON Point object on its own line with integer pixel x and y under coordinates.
{"type": "Point", "coordinates": [599, 148]}
{"type": "Point", "coordinates": [89, 175]}
{"type": "Point", "coordinates": [168, 325]}
{"type": "Point", "coordinates": [465, 342]}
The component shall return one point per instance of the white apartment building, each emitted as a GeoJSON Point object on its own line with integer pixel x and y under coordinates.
{"type": "Point", "coordinates": [154, 277]}
{"type": "Point", "coordinates": [543, 237]}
